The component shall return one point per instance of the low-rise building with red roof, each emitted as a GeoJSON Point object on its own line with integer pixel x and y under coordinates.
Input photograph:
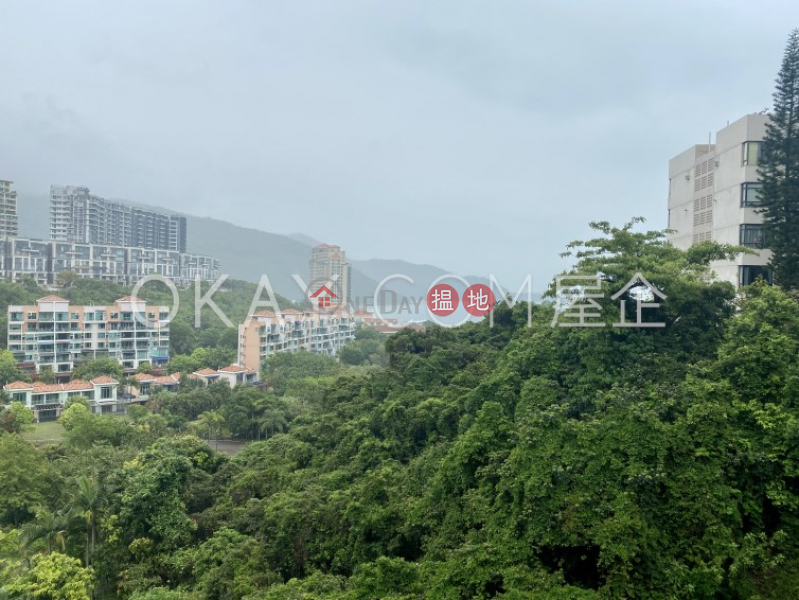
{"type": "Point", "coordinates": [47, 400]}
{"type": "Point", "coordinates": [238, 375]}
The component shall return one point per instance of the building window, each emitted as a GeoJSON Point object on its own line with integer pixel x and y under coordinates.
{"type": "Point", "coordinates": [753, 236]}
{"type": "Point", "coordinates": [747, 275]}
{"type": "Point", "coordinates": [750, 194]}
{"type": "Point", "coordinates": [752, 153]}
{"type": "Point", "coordinates": [105, 393]}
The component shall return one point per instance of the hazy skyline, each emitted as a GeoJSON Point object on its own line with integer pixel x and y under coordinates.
{"type": "Point", "coordinates": [477, 137]}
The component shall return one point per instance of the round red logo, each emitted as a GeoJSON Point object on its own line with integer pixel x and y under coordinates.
{"type": "Point", "coordinates": [478, 300]}
{"type": "Point", "coordinates": [442, 300]}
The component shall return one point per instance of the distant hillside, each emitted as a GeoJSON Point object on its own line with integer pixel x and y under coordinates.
{"type": "Point", "coordinates": [304, 239]}
{"type": "Point", "coordinates": [243, 253]}
{"type": "Point", "coordinates": [249, 253]}
{"type": "Point", "coordinates": [246, 254]}
{"type": "Point", "coordinates": [423, 276]}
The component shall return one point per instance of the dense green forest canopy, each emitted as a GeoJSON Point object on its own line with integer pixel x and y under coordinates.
{"type": "Point", "coordinates": [517, 460]}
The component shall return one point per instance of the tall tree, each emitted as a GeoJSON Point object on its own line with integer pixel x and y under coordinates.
{"type": "Point", "coordinates": [23, 478]}
{"type": "Point", "coordinates": [8, 368]}
{"type": "Point", "coordinates": [212, 422]}
{"type": "Point", "coordinates": [49, 526]}
{"type": "Point", "coordinates": [87, 500]}
{"type": "Point", "coordinates": [779, 170]}
{"type": "Point", "coordinates": [272, 421]}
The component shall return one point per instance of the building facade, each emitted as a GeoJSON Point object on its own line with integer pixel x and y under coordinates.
{"type": "Point", "coordinates": [57, 335]}
{"type": "Point", "coordinates": [329, 266]}
{"type": "Point", "coordinates": [9, 222]}
{"type": "Point", "coordinates": [146, 383]}
{"type": "Point", "coordinates": [77, 215]}
{"type": "Point", "coordinates": [714, 195]}
{"type": "Point", "coordinates": [232, 375]}
{"type": "Point", "coordinates": [44, 260]}
{"type": "Point", "coordinates": [47, 400]}
{"type": "Point", "coordinates": [266, 333]}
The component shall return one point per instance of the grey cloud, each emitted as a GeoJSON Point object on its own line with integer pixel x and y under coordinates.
{"type": "Point", "coordinates": [478, 136]}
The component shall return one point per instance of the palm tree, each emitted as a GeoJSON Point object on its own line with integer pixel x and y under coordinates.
{"type": "Point", "coordinates": [259, 406]}
{"type": "Point", "coordinates": [10, 544]}
{"type": "Point", "coordinates": [48, 526]}
{"type": "Point", "coordinates": [212, 421]}
{"type": "Point", "coordinates": [86, 500]}
{"type": "Point", "coordinates": [272, 421]}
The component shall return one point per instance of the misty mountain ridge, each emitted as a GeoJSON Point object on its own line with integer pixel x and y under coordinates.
{"type": "Point", "coordinates": [248, 254]}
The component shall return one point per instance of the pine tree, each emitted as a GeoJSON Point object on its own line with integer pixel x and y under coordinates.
{"type": "Point", "coordinates": [779, 171]}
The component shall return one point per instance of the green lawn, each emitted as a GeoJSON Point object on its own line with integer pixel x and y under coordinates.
{"type": "Point", "coordinates": [53, 431]}
{"type": "Point", "coordinates": [45, 432]}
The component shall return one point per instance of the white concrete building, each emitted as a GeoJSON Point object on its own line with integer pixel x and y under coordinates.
{"type": "Point", "coordinates": [266, 333]}
{"type": "Point", "coordinates": [43, 260]}
{"type": "Point", "coordinates": [77, 215]}
{"type": "Point", "coordinates": [9, 222]}
{"type": "Point", "coordinates": [329, 267]}
{"type": "Point", "coordinates": [47, 400]}
{"type": "Point", "coordinates": [713, 195]}
{"type": "Point", "coordinates": [232, 375]}
{"type": "Point", "coordinates": [146, 383]}
{"type": "Point", "coordinates": [55, 334]}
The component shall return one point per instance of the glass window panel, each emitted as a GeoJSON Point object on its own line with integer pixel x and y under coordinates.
{"type": "Point", "coordinates": [749, 274]}
{"type": "Point", "coordinates": [752, 236]}
{"type": "Point", "coordinates": [750, 194]}
{"type": "Point", "coordinates": [752, 153]}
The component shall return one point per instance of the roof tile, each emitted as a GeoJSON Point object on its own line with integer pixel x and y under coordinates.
{"type": "Point", "coordinates": [18, 385]}
{"type": "Point", "coordinates": [206, 372]}
{"type": "Point", "coordinates": [52, 299]}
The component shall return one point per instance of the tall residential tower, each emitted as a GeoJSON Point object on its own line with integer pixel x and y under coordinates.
{"type": "Point", "coordinates": [329, 266]}
{"type": "Point", "coordinates": [9, 224]}
{"type": "Point", "coordinates": [76, 215]}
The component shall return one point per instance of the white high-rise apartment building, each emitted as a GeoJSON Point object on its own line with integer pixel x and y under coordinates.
{"type": "Point", "coordinates": [22, 258]}
{"type": "Point", "coordinates": [55, 334]}
{"type": "Point", "coordinates": [9, 224]}
{"type": "Point", "coordinates": [76, 215]}
{"type": "Point", "coordinates": [328, 265]}
{"type": "Point", "coordinates": [714, 195]}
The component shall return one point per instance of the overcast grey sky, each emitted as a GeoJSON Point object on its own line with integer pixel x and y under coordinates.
{"type": "Point", "coordinates": [477, 136]}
